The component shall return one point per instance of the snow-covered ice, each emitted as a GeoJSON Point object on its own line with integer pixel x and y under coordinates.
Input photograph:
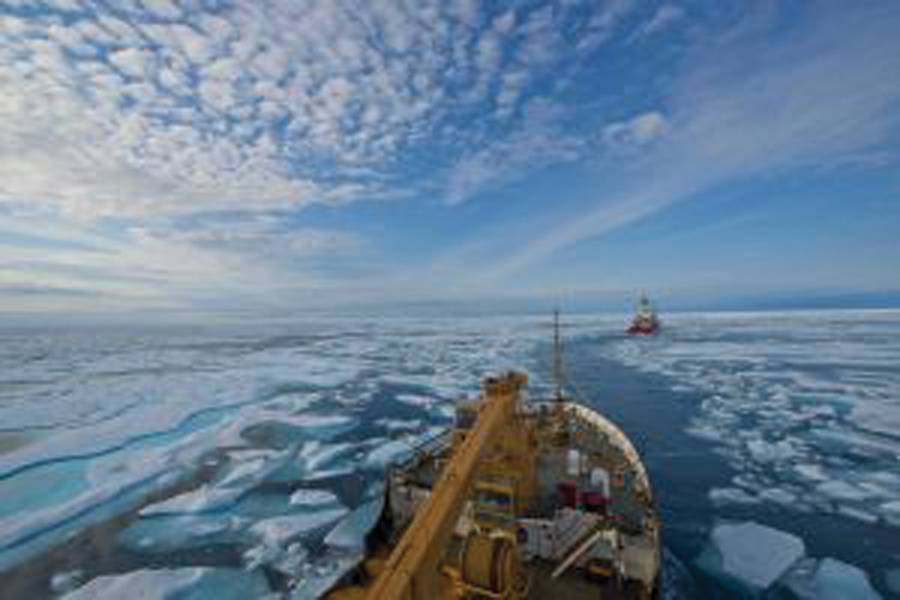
{"type": "Point", "coordinates": [836, 580]}
{"type": "Point", "coordinates": [280, 531]}
{"type": "Point", "coordinates": [387, 453]}
{"type": "Point", "coordinates": [203, 499]}
{"type": "Point", "coordinates": [749, 555]}
{"type": "Point", "coordinates": [811, 400]}
{"type": "Point", "coordinates": [195, 583]}
{"type": "Point", "coordinates": [235, 434]}
{"type": "Point", "coordinates": [351, 531]}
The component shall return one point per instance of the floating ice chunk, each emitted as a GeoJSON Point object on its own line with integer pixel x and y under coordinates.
{"type": "Point", "coordinates": [312, 498]}
{"type": "Point", "coordinates": [415, 400]}
{"type": "Point", "coordinates": [399, 424]}
{"type": "Point", "coordinates": [245, 472]}
{"type": "Point", "coordinates": [799, 580]}
{"type": "Point", "coordinates": [878, 417]}
{"type": "Point", "coordinates": [280, 531]}
{"type": "Point", "coordinates": [288, 430]}
{"type": "Point", "coordinates": [446, 412]}
{"type": "Point", "coordinates": [749, 555]}
{"type": "Point", "coordinates": [351, 532]}
{"type": "Point", "coordinates": [289, 560]}
{"type": "Point", "coordinates": [166, 533]}
{"type": "Point", "coordinates": [858, 514]}
{"type": "Point", "coordinates": [891, 512]}
{"type": "Point", "coordinates": [779, 496]}
{"type": "Point", "coordinates": [319, 578]}
{"type": "Point", "coordinates": [812, 472]}
{"type": "Point", "coordinates": [203, 499]}
{"type": "Point", "coordinates": [729, 495]}
{"type": "Point", "coordinates": [187, 584]}
{"type": "Point", "coordinates": [842, 490]}
{"type": "Point", "coordinates": [390, 452]}
{"type": "Point", "coordinates": [767, 452]}
{"type": "Point", "coordinates": [836, 580]}
{"type": "Point", "coordinates": [317, 461]}
{"type": "Point", "coordinates": [66, 582]}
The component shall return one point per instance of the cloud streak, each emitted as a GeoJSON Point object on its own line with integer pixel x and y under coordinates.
{"type": "Point", "coordinates": [819, 98]}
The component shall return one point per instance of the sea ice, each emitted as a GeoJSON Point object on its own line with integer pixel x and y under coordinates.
{"type": "Point", "coordinates": [307, 498]}
{"type": "Point", "coordinates": [350, 533]}
{"type": "Point", "coordinates": [316, 456]}
{"type": "Point", "coordinates": [730, 495]}
{"type": "Point", "coordinates": [749, 555]}
{"type": "Point", "coordinates": [289, 430]}
{"type": "Point", "coordinates": [399, 424]}
{"type": "Point", "coordinates": [167, 533]}
{"type": "Point", "coordinates": [858, 514]}
{"type": "Point", "coordinates": [891, 512]}
{"type": "Point", "coordinates": [388, 453]}
{"type": "Point", "coordinates": [288, 560]}
{"type": "Point", "coordinates": [196, 583]}
{"type": "Point", "coordinates": [417, 401]}
{"type": "Point", "coordinates": [842, 490]}
{"type": "Point", "coordinates": [878, 417]}
{"type": "Point", "coordinates": [767, 452]}
{"type": "Point", "coordinates": [316, 579]}
{"type": "Point", "coordinates": [66, 582]}
{"type": "Point", "coordinates": [836, 580]}
{"type": "Point", "coordinates": [203, 499]}
{"type": "Point", "coordinates": [280, 531]}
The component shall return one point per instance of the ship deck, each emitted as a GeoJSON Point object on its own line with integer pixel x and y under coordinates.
{"type": "Point", "coordinates": [573, 586]}
{"type": "Point", "coordinates": [628, 510]}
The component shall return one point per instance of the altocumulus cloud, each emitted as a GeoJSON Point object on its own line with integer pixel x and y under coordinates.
{"type": "Point", "coordinates": [136, 123]}
{"type": "Point", "coordinates": [134, 108]}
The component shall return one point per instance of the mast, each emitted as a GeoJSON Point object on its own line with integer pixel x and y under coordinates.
{"type": "Point", "coordinates": [557, 357]}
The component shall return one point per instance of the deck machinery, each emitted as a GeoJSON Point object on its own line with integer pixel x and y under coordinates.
{"type": "Point", "coordinates": [519, 500]}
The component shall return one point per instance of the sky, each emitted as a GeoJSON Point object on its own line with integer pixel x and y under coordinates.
{"type": "Point", "coordinates": [172, 156]}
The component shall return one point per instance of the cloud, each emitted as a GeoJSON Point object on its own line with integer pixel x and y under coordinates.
{"type": "Point", "coordinates": [664, 17]}
{"type": "Point", "coordinates": [542, 141]}
{"type": "Point", "coordinates": [750, 102]}
{"type": "Point", "coordinates": [635, 132]}
{"type": "Point", "coordinates": [161, 133]}
{"type": "Point", "coordinates": [262, 106]}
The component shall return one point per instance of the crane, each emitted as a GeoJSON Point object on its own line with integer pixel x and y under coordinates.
{"type": "Point", "coordinates": [413, 571]}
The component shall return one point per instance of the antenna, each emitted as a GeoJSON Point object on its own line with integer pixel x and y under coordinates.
{"type": "Point", "coordinates": [557, 356]}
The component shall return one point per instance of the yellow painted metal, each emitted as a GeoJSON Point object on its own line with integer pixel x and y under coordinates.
{"type": "Point", "coordinates": [489, 566]}
{"type": "Point", "coordinates": [413, 570]}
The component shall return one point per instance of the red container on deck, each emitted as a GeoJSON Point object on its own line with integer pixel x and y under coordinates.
{"type": "Point", "coordinates": [568, 494]}
{"type": "Point", "coordinates": [594, 502]}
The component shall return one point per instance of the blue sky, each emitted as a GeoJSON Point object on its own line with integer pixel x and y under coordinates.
{"type": "Point", "coordinates": [206, 155]}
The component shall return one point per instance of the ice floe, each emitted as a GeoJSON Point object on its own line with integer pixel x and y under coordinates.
{"type": "Point", "coordinates": [312, 498]}
{"type": "Point", "coordinates": [351, 531]}
{"type": "Point", "coordinates": [168, 533]}
{"type": "Point", "coordinates": [806, 405]}
{"type": "Point", "coordinates": [61, 583]}
{"type": "Point", "coordinates": [203, 499]}
{"type": "Point", "coordinates": [836, 580]}
{"type": "Point", "coordinates": [388, 453]}
{"type": "Point", "coordinates": [193, 583]}
{"type": "Point", "coordinates": [749, 556]}
{"type": "Point", "coordinates": [280, 531]}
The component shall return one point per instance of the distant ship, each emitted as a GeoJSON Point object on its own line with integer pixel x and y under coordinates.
{"type": "Point", "coordinates": [645, 321]}
{"type": "Point", "coordinates": [521, 499]}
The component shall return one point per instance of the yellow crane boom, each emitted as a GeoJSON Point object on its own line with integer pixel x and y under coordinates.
{"type": "Point", "coordinates": [412, 572]}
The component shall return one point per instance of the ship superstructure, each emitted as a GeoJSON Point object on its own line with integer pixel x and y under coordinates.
{"type": "Point", "coordinates": [521, 499]}
{"type": "Point", "coordinates": [645, 320]}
